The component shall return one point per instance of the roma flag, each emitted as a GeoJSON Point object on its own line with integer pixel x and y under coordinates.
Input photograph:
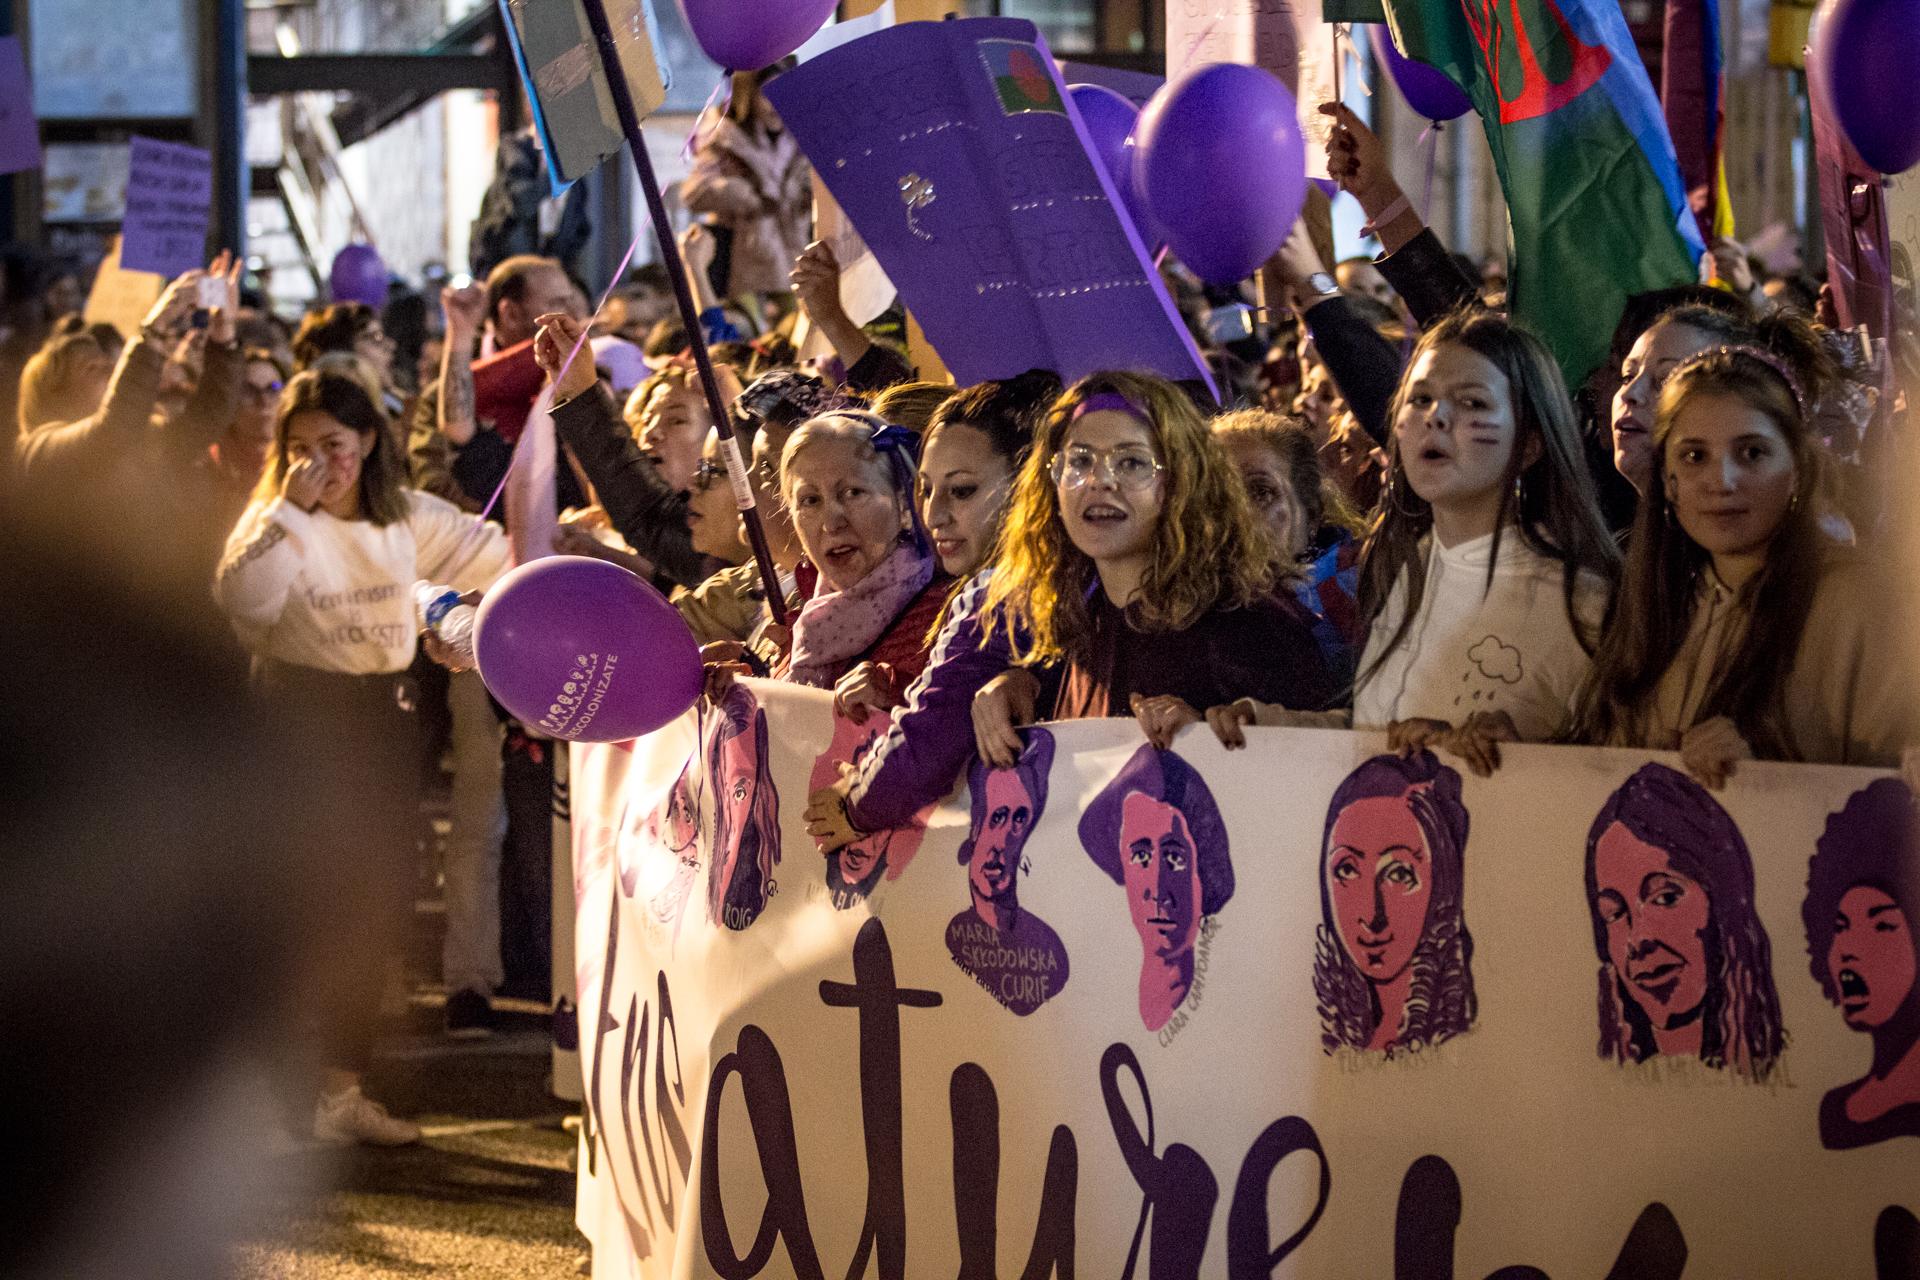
{"type": "Point", "coordinates": [1596, 208]}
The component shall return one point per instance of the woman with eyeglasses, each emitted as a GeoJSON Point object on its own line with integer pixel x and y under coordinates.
{"type": "Point", "coordinates": [349, 328]}
{"type": "Point", "coordinates": [1130, 555]}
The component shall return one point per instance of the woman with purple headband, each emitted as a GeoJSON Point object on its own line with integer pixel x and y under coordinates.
{"type": "Point", "coordinates": [1742, 630]}
{"type": "Point", "coordinates": [1130, 554]}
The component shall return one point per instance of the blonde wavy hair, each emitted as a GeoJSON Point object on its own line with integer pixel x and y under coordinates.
{"type": "Point", "coordinates": [1208, 551]}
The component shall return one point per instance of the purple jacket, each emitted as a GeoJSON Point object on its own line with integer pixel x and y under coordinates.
{"type": "Point", "coordinates": [931, 741]}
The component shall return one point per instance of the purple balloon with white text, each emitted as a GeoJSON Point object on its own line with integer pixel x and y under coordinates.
{"type": "Point", "coordinates": [1426, 89]}
{"type": "Point", "coordinates": [1223, 168]}
{"type": "Point", "coordinates": [1111, 119]}
{"type": "Point", "coordinates": [1866, 52]}
{"type": "Point", "coordinates": [745, 35]}
{"type": "Point", "coordinates": [585, 651]}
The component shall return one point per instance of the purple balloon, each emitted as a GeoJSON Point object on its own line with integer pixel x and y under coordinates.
{"type": "Point", "coordinates": [585, 651]}
{"type": "Point", "coordinates": [1328, 187]}
{"type": "Point", "coordinates": [1110, 119]}
{"type": "Point", "coordinates": [745, 35]}
{"type": "Point", "coordinates": [1221, 162]}
{"type": "Point", "coordinates": [358, 275]}
{"type": "Point", "coordinates": [1867, 50]}
{"type": "Point", "coordinates": [1426, 89]}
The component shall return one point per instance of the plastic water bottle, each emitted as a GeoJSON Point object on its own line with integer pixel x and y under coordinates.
{"type": "Point", "coordinates": [442, 613]}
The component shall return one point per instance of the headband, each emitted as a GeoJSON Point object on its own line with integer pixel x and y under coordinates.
{"type": "Point", "coordinates": [1756, 353]}
{"type": "Point", "coordinates": [1109, 402]}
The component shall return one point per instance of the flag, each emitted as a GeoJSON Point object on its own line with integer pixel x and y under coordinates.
{"type": "Point", "coordinates": [1596, 209]}
{"type": "Point", "coordinates": [1692, 94]}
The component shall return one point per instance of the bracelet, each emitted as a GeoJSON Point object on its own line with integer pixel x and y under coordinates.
{"type": "Point", "coordinates": [1386, 215]}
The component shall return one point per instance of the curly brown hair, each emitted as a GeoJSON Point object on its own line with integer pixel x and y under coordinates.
{"type": "Point", "coordinates": [1208, 550]}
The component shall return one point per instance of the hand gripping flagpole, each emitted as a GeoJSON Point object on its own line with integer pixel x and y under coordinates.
{"type": "Point", "coordinates": [689, 315]}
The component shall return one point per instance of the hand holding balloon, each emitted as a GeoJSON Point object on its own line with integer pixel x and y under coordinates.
{"type": "Point", "coordinates": [557, 341]}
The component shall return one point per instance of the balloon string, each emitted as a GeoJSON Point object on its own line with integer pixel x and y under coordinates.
{"type": "Point", "coordinates": [723, 95]}
{"type": "Point", "coordinates": [546, 393]}
{"type": "Point", "coordinates": [1194, 48]}
{"type": "Point", "coordinates": [1161, 256]}
{"type": "Point", "coordinates": [1430, 139]}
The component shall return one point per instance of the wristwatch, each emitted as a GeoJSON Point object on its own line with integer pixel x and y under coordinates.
{"type": "Point", "coordinates": [1322, 285]}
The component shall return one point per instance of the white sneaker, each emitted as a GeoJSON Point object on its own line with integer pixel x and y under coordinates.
{"type": "Point", "coordinates": [351, 1116]}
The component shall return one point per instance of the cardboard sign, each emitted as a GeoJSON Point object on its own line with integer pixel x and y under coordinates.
{"type": "Point", "coordinates": [120, 297]}
{"type": "Point", "coordinates": [1306, 1009]}
{"type": "Point", "coordinates": [566, 81]}
{"type": "Point", "coordinates": [19, 131]}
{"type": "Point", "coordinates": [169, 200]}
{"type": "Point", "coordinates": [1287, 37]}
{"type": "Point", "coordinates": [954, 149]}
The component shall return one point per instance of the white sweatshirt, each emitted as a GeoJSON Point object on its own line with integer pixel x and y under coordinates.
{"type": "Point", "coordinates": [316, 591]}
{"type": "Point", "coordinates": [1474, 647]}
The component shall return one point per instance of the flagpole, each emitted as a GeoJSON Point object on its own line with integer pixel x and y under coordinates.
{"type": "Point", "coordinates": [689, 315]}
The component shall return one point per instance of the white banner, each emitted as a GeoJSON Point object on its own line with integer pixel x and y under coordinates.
{"type": "Point", "coordinates": [1287, 37]}
{"type": "Point", "coordinates": [1297, 1010]}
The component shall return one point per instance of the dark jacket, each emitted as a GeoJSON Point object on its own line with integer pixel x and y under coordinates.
{"type": "Point", "coordinates": [1365, 366]}
{"type": "Point", "coordinates": [1427, 278]}
{"type": "Point", "coordinates": [644, 510]}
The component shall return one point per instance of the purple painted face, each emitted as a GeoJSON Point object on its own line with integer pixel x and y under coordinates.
{"type": "Point", "coordinates": [1380, 882]}
{"type": "Point", "coordinates": [998, 844]}
{"type": "Point", "coordinates": [1161, 873]}
{"type": "Point", "coordinates": [1871, 957]}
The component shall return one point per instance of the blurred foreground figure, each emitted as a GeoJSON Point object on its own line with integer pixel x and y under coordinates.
{"type": "Point", "coordinates": [162, 910]}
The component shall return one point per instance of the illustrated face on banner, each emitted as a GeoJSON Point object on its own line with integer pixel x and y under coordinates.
{"type": "Point", "coordinates": [1156, 831]}
{"type": "Point", "coordinates": [1657, 921]}
{"type": "Point", "coordinates": [1685, 966]}
{"type": "Point", "coordinates": [675, 828]}
{"type": "Point", "coordinates": [1392, 919]}
{"type": "Point", "coordinates": [1861, 912]}
{"type": "Point", "coordinates": [1014, 955]}
{"type": "Point", "coordinates": [1380, 880]}
{"type": "Point", "coordinates": [1161, 873]}
{"type": "Point", "coordinates": [854, 869]}
{"type": "Point", "coordinates": [746, 812]}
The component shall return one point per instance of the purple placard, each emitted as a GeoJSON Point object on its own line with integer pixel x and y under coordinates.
{"type": "Point", "coordinates": [19, 131]}
{"type": "Point", "coordinates": [1135, 86]}
{"type": "Point", "coordinates": [169, 197]}
{"type": "Point", "coordinates": [955, 150]}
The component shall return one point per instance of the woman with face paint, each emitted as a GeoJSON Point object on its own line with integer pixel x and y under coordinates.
{"type": "Point", "coordinates": [1392, 967]}
{"type": "Point", "coordinates": [1486, 577]}
{"type": "Point", "coordinates": [975, 445]}
{"type": "Point", "coordinates": [1742, 630]}
{"type": "Point", "coordinates": [317, 580]}
{"type": "Point", "coordinates": [1685, 965]}
{"type": "Point", "coordinates": [1157, 833]}
{"type": "Point", "coordinates": [1130, 555]}
{"type": "Point", "coordinates": [1862, 916]}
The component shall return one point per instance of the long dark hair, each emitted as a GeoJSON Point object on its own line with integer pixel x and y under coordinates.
{"type": "Point", "coordinates": [383, 473]}
{"type": "Point", "coordinates": [1442, 1003]}
{"type": "Point", "coordinates": [1654, 611]}
{"type": "Point", "coordinates": [1550, 502]}
{"type": "Point", "coordinates": [738, 903]}
{"type": "Point", "coordinates": [1740, 1018]}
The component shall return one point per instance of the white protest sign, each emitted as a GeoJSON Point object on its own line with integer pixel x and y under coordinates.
{"type": "Point", "coordinates": [1305, 1010]}
{"type": "Point", "coordinates": [120, 297]}
{"type": "Point", "coordinates": [1287, 37]}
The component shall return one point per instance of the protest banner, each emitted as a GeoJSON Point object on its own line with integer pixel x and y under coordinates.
{"type": "Point", "coordinates": [19, 131]}
{"type": "Point", "coordinates": [1305, 1009]}
{"type": "Point", "coordinates": [1287, 37]}
{"type": "Point", "coordinates": [120, 297]}
{"type": "Point", "coordinates": [955, 150]}
{"type": "Point", "coordinates": [573, 110]}
{"type": "Point", "coordinates": [169, 199]}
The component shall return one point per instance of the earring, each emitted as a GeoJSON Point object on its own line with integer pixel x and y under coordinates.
{"type": "Point", "coordinates": [1519, 491]}
{"type": "Point", "coordinates": [1393, 499]}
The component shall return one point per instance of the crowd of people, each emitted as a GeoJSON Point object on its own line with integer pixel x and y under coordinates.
{"type": "Point", "coordinates": [1397, 516]}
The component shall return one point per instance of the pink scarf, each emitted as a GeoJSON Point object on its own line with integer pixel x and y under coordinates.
{"type": "Point", "coordinates": [839, 626]}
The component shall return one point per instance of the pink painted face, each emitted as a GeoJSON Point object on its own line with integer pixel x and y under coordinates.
{"type": "Point", "coordinates": [739, 774]}
{"type": "Point", "coordinates": [857, 859]}
{"type": "Point", "coordinates": [1379, 875]}
{"type": "Point", "coordinates": [1871, 957]}
{"type": "Point", "coordinates": [1161, 874]}
{"type": "Point", "coordinates": [682, 825]}
{"type": "Point", "coordinates": [997, 846]}
{"type": "Point", "coordinates": [1656, 921]}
